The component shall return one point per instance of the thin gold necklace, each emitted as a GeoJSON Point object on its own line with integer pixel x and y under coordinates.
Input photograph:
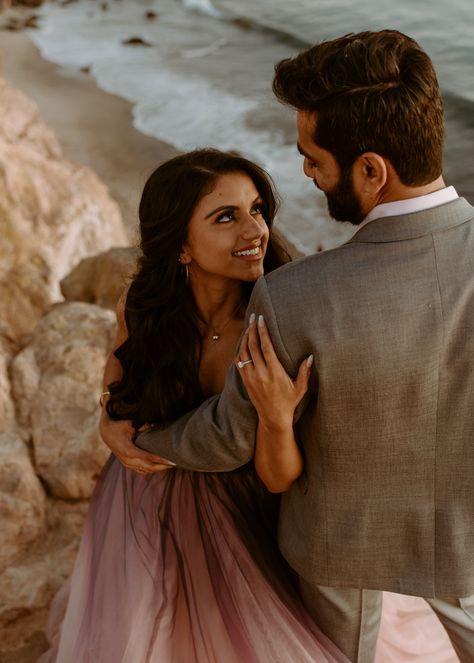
{"type": "Point", "coordinates": [217, 333]}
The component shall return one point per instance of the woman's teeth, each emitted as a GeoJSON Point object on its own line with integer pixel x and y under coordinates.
{"type": "Point", "coordinates": [248, 252]}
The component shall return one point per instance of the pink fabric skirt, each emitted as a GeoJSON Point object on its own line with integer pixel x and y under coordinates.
{"type": "Point", "coordinates": [410, 632]}
{"type": "Point", "coordinates": [182, 567]}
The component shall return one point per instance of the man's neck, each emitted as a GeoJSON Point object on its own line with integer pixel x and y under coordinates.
{"type": "Point", "coordinates": [395, 190]}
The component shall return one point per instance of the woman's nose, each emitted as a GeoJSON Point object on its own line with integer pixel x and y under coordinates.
{"type": "Point", "coordinates": [253, 228]}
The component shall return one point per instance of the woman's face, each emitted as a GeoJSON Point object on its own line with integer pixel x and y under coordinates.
{"type": "Point", "coordinates": [227, 234]}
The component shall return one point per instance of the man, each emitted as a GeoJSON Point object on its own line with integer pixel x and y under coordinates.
{"type": "Point", "coordinates": [387, 498]}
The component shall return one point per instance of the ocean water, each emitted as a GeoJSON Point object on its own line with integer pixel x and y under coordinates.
{"type": "Point", "coordinates": [204, 77]}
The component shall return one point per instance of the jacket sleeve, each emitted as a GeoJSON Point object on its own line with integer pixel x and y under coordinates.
{"type": "Point", "coordinates": [219, 435]}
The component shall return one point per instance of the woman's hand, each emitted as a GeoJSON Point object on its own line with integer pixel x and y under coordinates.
{"type": "Point", "coordinates": [118, 436]}
{"type": "Point", "coordinates": [273, 393]}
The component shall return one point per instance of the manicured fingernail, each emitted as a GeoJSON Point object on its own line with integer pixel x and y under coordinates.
{"type": "Point", "coordinates": [309, 361]}
{"type": "Point", "coordinates": [252, 318]}
{"type": "Point", "coordinates": [261, 321]}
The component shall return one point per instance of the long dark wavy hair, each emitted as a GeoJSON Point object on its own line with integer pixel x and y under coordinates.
{"type": "Point", "coordinates": [160, 358]}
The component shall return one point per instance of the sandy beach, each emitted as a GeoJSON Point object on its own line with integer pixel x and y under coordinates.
{"type": "Point", "coordinates": [94, 128]}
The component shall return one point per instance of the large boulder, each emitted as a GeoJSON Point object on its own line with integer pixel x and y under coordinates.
{"type": "Point", "coordinates": [53, 213]}
{"type": "Point", "coordinates": [20, 123]}
{"type": "Point", "coordinates": [56, 384]}
{"type": "Point", "coordinates": [101, 279]}
{"type": "Point", "coordinates": [22, 499]}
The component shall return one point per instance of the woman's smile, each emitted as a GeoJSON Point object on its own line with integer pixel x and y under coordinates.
{"type": "Point", "coordinates": [249, 252]}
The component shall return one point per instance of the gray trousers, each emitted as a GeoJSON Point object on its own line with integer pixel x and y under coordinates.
{"type": "Point", "coordinates": [351, 619]}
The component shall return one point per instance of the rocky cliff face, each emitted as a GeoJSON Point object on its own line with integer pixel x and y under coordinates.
{"type": "Point", "coordinates": [53, 213]}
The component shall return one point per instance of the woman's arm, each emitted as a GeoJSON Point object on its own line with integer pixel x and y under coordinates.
{"type": "Point", "coordinates": [119, 435]}
{"type": "Point", "coordinates": [278, 459]}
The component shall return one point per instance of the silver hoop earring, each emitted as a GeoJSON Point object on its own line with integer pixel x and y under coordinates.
{"type": "Point", "coordinates": [185, 269]}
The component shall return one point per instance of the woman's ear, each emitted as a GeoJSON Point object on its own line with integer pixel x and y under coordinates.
{"type": "Point", "coordinates": [184, 256]}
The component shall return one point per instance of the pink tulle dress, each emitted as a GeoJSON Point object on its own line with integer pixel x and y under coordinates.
{"type": "Point", "coordinates": [183, 567]}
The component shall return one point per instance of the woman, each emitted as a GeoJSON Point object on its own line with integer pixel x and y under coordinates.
{"type": "Point", "coordinates": [176, 566]}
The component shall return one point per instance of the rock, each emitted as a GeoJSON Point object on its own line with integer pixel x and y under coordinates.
{"type": "Point", "coordinates": [22, 499]}
{"type": "Point", "coordinates": [53, 213]}
{"type": "Point", "coordinates": [56, 382]}
{"type": "Point", "coordinates": [24, 282]}
{"type": "Point", "coordinates": [242, 22]}
{"type": "Point", "coordinates": [20, 123]}
{"type": "Point", "coordinates": [27, 586]}
{"type": "Point", "coordinates": [28, 3]}
{"type": "Point", "coordinates": [35, 645]}
{"type": "Point", "coordinates": [136, 41]}
{"type": "Point", "coordinates": [13, 26]}
{"type": "Point", "coordinates": [101, 279]}
{"type": "Point", "coordinates": [31, 22]}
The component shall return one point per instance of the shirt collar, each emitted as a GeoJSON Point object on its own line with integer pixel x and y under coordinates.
{"type": "Point", "coordinates": [410, 205]}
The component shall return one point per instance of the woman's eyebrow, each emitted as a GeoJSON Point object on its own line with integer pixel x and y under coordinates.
{"type": "Point", "coordinates": [219, 209]}
{"type": "Point", "coordinates": [230, 207]}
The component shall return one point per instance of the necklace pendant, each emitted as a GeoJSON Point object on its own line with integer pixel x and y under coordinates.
{"type": "Point", "coordinates": [215, 337]}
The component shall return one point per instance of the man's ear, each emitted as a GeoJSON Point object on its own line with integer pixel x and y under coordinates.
{"type": "Point", "coordinates": [371, 172]}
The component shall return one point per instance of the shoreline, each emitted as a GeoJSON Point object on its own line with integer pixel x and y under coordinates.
{"type": "Point", "coordinates": [95, 128]}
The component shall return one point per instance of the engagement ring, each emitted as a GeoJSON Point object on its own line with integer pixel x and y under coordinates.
{"type": "Point", "coordinates": [241, 364]}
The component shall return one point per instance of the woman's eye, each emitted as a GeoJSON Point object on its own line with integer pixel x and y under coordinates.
{"type": "Point", "coordinates": [257, 209]}
{"type": "Point", "coordinates": [225, 217]}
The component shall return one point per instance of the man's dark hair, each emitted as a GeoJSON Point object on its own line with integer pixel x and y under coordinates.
{"type": "Point", "coordinates": [371, 91]}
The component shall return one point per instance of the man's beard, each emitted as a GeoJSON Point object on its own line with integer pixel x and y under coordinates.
{"type": "Point", "coordinates": [343, 204]}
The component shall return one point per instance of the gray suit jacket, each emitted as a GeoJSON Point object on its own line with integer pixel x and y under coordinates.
{"type": "Point", "coordinates": [387, 497]}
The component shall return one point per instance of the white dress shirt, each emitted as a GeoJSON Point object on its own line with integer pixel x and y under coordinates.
{"type": "Point", "coordinates": [410, 205]}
